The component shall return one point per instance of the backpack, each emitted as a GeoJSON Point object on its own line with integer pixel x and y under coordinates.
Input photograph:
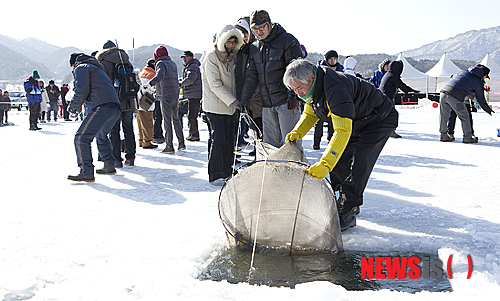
{"type": "Point", "coordinates": [125, 81]}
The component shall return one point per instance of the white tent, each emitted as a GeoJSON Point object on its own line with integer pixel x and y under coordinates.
{"type": "Point", "coordinates": [490, 63]}
{"type": "Point", "coordinates": [443, 68]}
{"type": "Point", "coordinates": [408, 70]}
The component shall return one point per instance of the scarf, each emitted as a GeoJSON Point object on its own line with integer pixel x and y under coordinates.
{"type": "Point", "coordinates": [309, 96]}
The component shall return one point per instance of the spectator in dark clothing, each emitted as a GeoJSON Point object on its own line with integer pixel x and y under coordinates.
{"type": "Point", "coordinates": [191, 87]}
{"type": "Point", "coordinates": [331, 61]}
{"type": "Point", "coordinates": [452, 97]}
{"type": "Point", "coordinates": [53, 92]}
{"type": "Point", "coordinates": [391, 82]}
{"type": "Point", "coordinates": [255, 103]}
{"type": "Point", "coordinates": [269, 55]}
{"type": "Point", "coordinates": [64, 91]}
{"type": "Point", "coordinates": [93, 84]}
{"type": "Point", "coordinates": [380, 72]}
{"type": "Point", "coordinates": [4, 107]}
{"type": "Point", "coordinates": [363, 119]}
{"type": "Point", "coordinates": [109, 56]}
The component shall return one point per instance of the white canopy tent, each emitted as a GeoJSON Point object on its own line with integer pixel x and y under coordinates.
{"type": "Point", "coordinates": [490, 63]}
{"type": "Point", "coordinates": [443, 68]}
{"type": "Point", "coordinates": [408, 70]}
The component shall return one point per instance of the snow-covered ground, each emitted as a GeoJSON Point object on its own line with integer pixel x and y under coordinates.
{"type": "Point", "coordinates": [147, 232]}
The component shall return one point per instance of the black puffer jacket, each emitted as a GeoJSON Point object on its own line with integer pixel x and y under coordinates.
{"type": "Point", "coordinates": [267, 62]}
{"type": "Point", "coordinates": [349, 97]}
{"type": "Point", "coordinates": [391, 80]}
{"type": "Point", "coordinates": [191, 79]}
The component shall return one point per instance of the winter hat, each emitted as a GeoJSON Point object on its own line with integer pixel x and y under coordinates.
{"type": "Point", "coordinates": [259, 17]}
{"type": "Point", "coordinates": [227, 33]}
{"type": "Point", "coordinates": [486, 70]}
{"type": "Point", "coordinates": [151, 63]}
{"type": "Point", "coordinates": [160, 51]}
{"type": "Point", "coordinates": [72, 58]}
{"type": "Point", "coordinates": [108, 45]}
{"type": "Point", "coordinates": [187, 53]}
{"type": "Point", "coordinates": [243, 26]}
{"type": "Point", "coordinates": [330, 54]}
{"type": "Point", "coordinates": [35, 74]}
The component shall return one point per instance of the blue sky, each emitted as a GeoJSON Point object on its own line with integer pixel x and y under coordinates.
{"type": "Point", "coordinates": [350, 27]}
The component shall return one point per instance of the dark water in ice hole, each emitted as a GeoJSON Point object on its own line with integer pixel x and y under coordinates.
{"type": "Point", "coordinates": [277, 269]}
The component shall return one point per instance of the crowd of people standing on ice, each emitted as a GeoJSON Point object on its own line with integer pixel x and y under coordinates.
{"type": "Point", "coordinates": [255, 68]}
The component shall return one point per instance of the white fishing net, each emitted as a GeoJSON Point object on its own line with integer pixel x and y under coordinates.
{"type": "Point", "coordinates": [275, 203]}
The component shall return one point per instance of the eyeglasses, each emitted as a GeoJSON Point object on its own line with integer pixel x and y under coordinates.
{"type": "Point", "coordinates": [259, 28]}
{"type": "Point", "coordinates": [233, 42]}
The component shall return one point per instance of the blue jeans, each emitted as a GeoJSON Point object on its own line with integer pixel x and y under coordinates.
{"type": "Point", "coordinates": [125, 120]}
{"type": "Point", "coordinates": [52, 107]}
{"type": "Point", "coordinates": [98, 123]}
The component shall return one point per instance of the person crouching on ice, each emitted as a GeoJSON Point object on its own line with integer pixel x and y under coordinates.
{"type": "Point", "coordinates": [93, 85]}
{"type": "Point", "coordinates": [363, 119]}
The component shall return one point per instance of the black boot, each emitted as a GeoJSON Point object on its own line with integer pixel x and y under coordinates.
{"type": "Point", "coordinates": [82, 178]}
{"type": "Point", "coordinates": [108, 169]}
{"type": "Point", "coordinates": [347, 215]}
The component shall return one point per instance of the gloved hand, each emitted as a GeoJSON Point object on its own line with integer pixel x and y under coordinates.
{"type": "Point", "coordinates": [487, 89]}
{"type": "Point", "coordinates": [319, 170]}
{"type": "Point", "coordinates": [243, 104]}
{"type": "Point", "coordinates": [70, 110]}
{"type": "Point", "coordinates": [294, 135]}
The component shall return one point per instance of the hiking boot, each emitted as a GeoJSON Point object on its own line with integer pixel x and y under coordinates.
{"type": "Point", "coordinates": [191, 138]}
{"type": "Point", "coordinates": [347, 216]}
{"type": "Point", "coordinates": [82, 178]}
{"type": "Point", "coordinates": [182, 147]}
{"type": "Point", "coordinates": [168, 150]}
{"type": "Point", "coordinates": [119, 164]}
{"type": "Point", "coordinates": [316, 147]}
{"type": "Point", "coordinates": [108, 169]}
{"type": "Point", "coordinates": [446, 138]}
{"type": "Point", "coordinates": [158, 140]}
{"type": "Point", "coordinates": [348, 219]}
{"type": "Point", "coordinates": [129, 162]}
{"type": "Point", "coordinates": [470, 140]}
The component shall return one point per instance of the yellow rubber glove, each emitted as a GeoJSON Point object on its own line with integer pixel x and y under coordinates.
{"type": "Point", "coordinates": [306, 122]}
{"type": "Point", "coordinates": [294, 135]}
{"type": "Point", "coordinates": [338, 142]}
{"type": "Point", "coordinates": [319, 170]}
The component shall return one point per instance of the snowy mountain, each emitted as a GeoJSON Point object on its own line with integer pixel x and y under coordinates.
{"type": "Point", "coordinates": [471, 45]}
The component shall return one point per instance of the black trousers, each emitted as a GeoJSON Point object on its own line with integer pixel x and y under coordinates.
{"type": "Point", "coordinates": [34, 108]}
{"type": "Point", "coordinates": [353, 170]}
{"type": "Point", "coordinates": [193, 112]}
{"type": "Point", "coordinates": [223, 138]}
{"type": "Point", "coordinates": [157, 121]}
{"type": "Point", "coordinates": [65, 109]}
{"type": "Point", "coordinates": [318, 132]}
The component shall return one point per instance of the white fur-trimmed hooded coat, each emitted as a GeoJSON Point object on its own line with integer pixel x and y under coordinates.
{"type": "Point", "coordinates": [218, 74]}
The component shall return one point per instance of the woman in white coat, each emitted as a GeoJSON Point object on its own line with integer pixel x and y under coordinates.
{"type": "Point", "coordinates": [220, 103]}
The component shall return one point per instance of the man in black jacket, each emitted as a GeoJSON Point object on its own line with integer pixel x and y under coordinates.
{"type": "Point", "coordinates": [391, 82]}
{"type": "Point", "coordinates": [192, 90]}
{"type": "Point", "coordinates": [363, 119]}
{"type": "Point", "coordinates": [269, 55]}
